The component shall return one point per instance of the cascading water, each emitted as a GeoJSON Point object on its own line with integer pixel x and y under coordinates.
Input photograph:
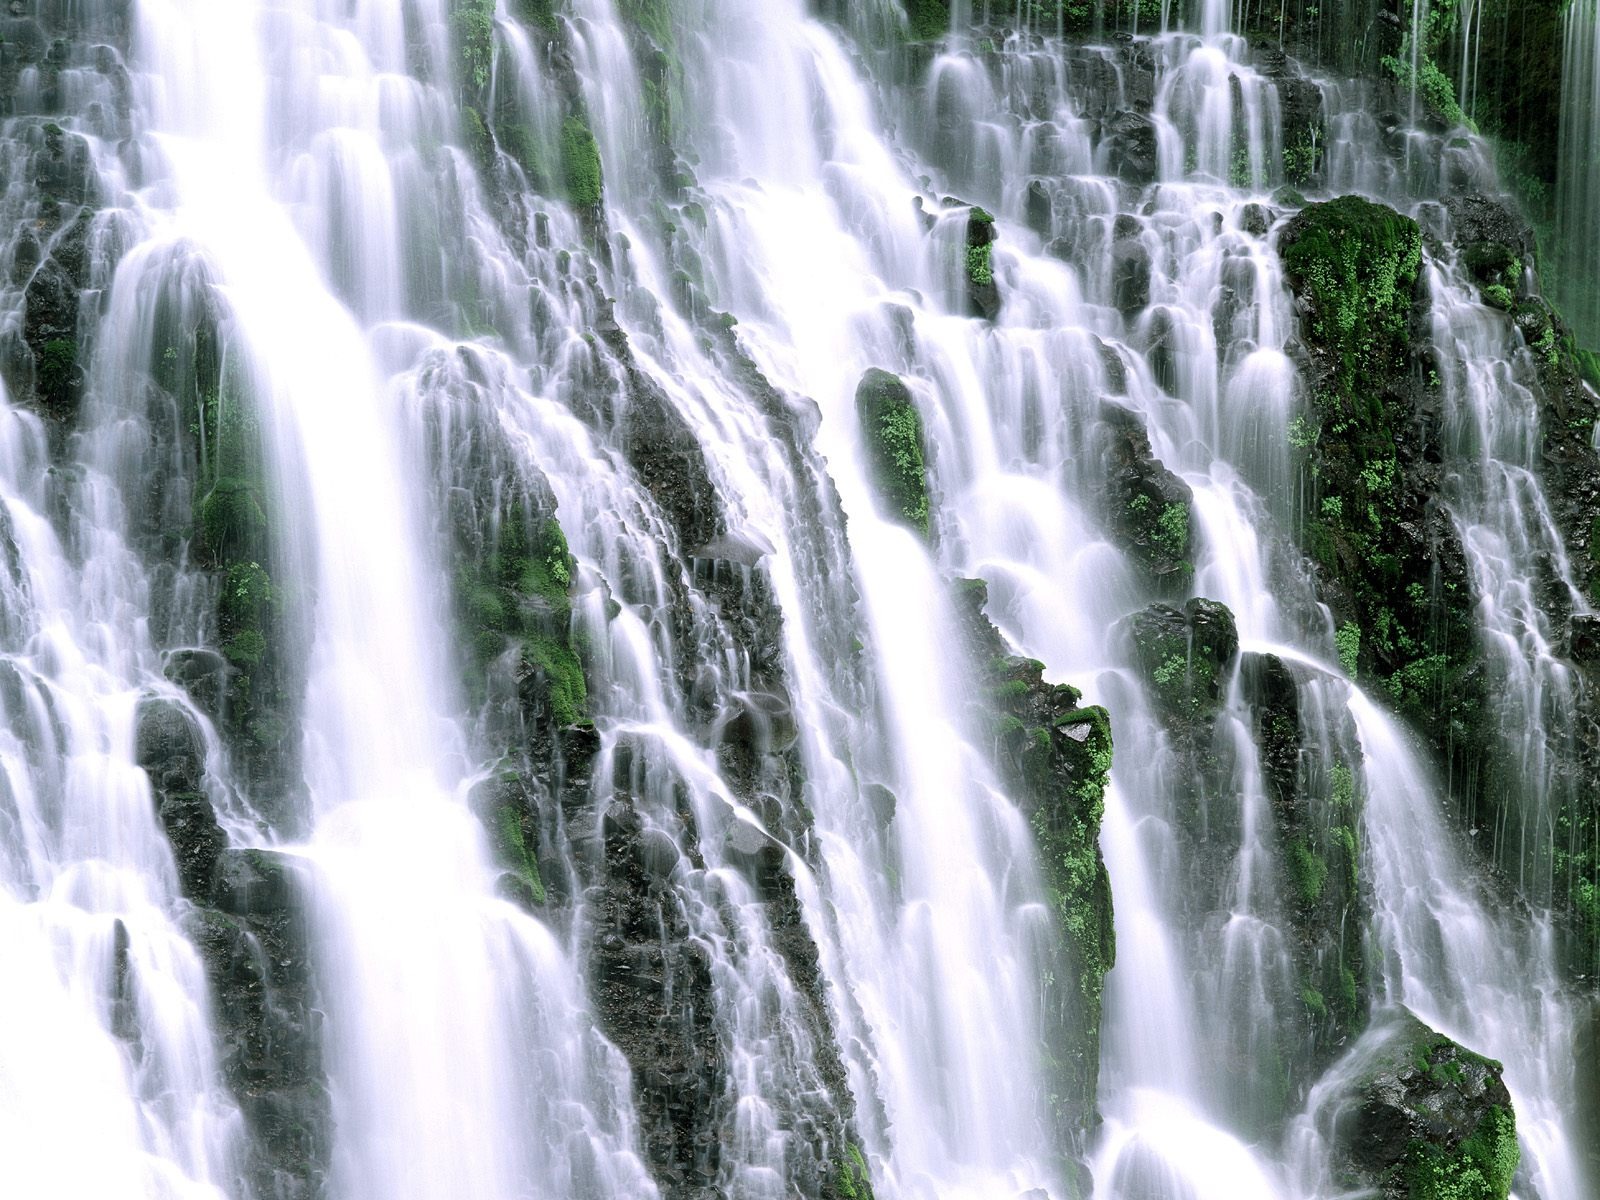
{"type": "Point", "coordinates": [603, 788]}
{"type": "Point", "coordinates": [1578, 181]}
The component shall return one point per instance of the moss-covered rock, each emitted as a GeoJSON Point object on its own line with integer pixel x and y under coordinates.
{"type": "Point", "coordinates": [513, 591]}
{"type": "Point", "coordinates": [1313, 788]}
{"type": "Point", "coordinates": [580, 164]}
{"type": "Point", "coordinates": [508, 807]}
{"type": "Point", "coordinates": [1186, 656]}
{"type": "Point", "coordinates": [1387, 550]}
{"type": "Point", "coordinates": [1056, 754]}
{"type": "Point", "coordinates": [891, 429]}
{"type": "Point", "coordinates": [983, 293]}
{"type": "Point", "coordinates": [1430, 1120]}
{"type": "Point", "coordinates": [1146, 506]}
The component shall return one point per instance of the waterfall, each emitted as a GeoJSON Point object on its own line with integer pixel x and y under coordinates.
{"type": "Point", "coordinates": [490, 709]}
{"type": "Point", "coordinates": [1578, 178]}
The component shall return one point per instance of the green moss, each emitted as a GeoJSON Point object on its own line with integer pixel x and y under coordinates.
{"type": "Point", "coordinates": [1480, 1168]}
{"type": "Point", "coordinates": [472, 25]}
{"type": "Point", "coordinates": [518, 595]}
{"type": "Point", "coordinates": [580, 164]}
{"type": "Point", "coordinates": [1430, 85]}
{"type": "Point", "coordinates": [246, 649]}
{"type": "Point", "coordinates": [511, 848]}
{"type": "Point", "coordinates": [927, 19]}
{"type": "Point", "coordinates": [1497, 295]}
{"type": "Point", "coordinates": [1359, 262]}
{"type": "Point", "coordinates": [1302, 158]}
{"type": "Point", "coordinates": [853, 1181]}
{"type": "Point", "coordinates": [231, 520]}
{"type": "Point", "coordinates": [552, 663]}
{"type": "Point", "coordinates": [1347, 641]}
{"type": "Point", "coordinates": [1172, 531]}
{"type": "Point", "coordinates": [1315, 1005]}
{"type": "Point", "coordinates": [892, 430]}
{"type": "Point", "coordinates": [478, 142]}
{"type": "Point", "coordinates": [539, 13]}
{"type": "Point", "coordinates": [980, 264]}
{"type": "Point", "coordinates": [1308, 873]}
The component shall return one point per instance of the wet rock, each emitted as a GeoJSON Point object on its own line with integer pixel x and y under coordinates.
{"type": "Point", "coordinates": [1429, 1119]}
{"type": "Point", "coordinates": [1186, 654]}
{"type": "Point", "coordinates": [983, 292]}
{"type": "Point", "coordinates": [1128, 148]}
{"type": "Point", "coordinates": [1056, 756]}
{"type": "Point", "coordinates": [254, 946]}
{"type": "Point", "coordinates": [1147, 506]}
{"type": "Point", "coordinates": [1313, 789]}
{"type": "Point", "coordinates": [254, 883]}
{"type": "Point", "coordinates": [1305, 131]}
{"type": "Point", "coordinates": [652, 990]}
{"type": "Point", "coordinates": [203, 674]}
{"type": "Point", "coordinates": [1256, 220]}
{"type": "Point", "coordinates": [1130, 276]}
{"type": "Point", "coordinates": [1392, 563]}
{"type": "Point", "coordinates": [669, 461]}
{"type": "Point", "coordinates": [168, 747]}
{"type": "Point", "coordinates": [1584, 638]}
{"type": "Point", "coordinates": [1037, 208]}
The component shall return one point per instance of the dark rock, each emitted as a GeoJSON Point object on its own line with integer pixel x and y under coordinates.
{"type": "Point", "coordinates": [1428, 1118]}
{"type": "Point", "coordinates": [1037, 208]}
{"type": "Point", "coordinates": [1584, 637]}
{"type": "Point", "coordinates": [1147, 506]}
{"type": "Point", "coordinates": [1130, 276]}
{"type": "Point", "coordinates": [1128, 148]}
{"type": "Point", "coordinates": [203, 674]}
{"type": "Point", "coordinates": [255, 883]}
{"type": "Point", "coordinates": [652, 989]}
{"type": "Point", "coordinates": [168, 746]}
{"type": "Point", "coordinates": [1187, 656]}
{"type": "Point", "coordinates": [1056, 757]}
{"type": "Point", "coordinates": [983, 292]}
{"type": "Point", "coordinates": [258, 967]}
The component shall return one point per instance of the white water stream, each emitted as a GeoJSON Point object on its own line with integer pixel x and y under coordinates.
{"type": "Point", "coordinates": [309, 153]}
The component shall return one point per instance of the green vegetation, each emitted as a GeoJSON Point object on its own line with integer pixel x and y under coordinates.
{"type": "Point", "coordinates": [511, 848]}
{"type": "Point", "coordinates": [519, 595]}
{"type": "Point", "coordinates": [1172, 531]}
{"type": "Point", "coordinates": [928, 19]}
{"type": "Point", "coordinates": [892, 430]}
{"type": "Point", "coordinates": [1480, 1168]}
{"type": "Point", "coordinates": [1347, 641]}
{"type": "Point", "coordinates": [472, 24]}
{"type": "Point", "coordinates": [1308, 873]}
{"type": "Point", "coordinates": [854, 1181]}
{"type": "Point", "coordinates": [980, 264]}
{"type": "Point", "coordinates": [580, 164]}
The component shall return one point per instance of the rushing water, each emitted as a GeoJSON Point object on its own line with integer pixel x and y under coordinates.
{"type": "Point", "coordinates": [416, 329]}
{"type": "Point", "coordinates": [1578, 184]}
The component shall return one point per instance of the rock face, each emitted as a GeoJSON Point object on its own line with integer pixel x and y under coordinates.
{"type": "Point", "coordinates": [1146, 505]}
{"type": "Point", "coordinates": [247, 923]}
{"type": "Point", "coordinates": [1387, 550]}
{"type": "Point", "coordinates": [1057, 755]}
{"type": "Point", "coordinates": [1430, 1120]}
{"type": "Point", "coordinates": [1313, 788]}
